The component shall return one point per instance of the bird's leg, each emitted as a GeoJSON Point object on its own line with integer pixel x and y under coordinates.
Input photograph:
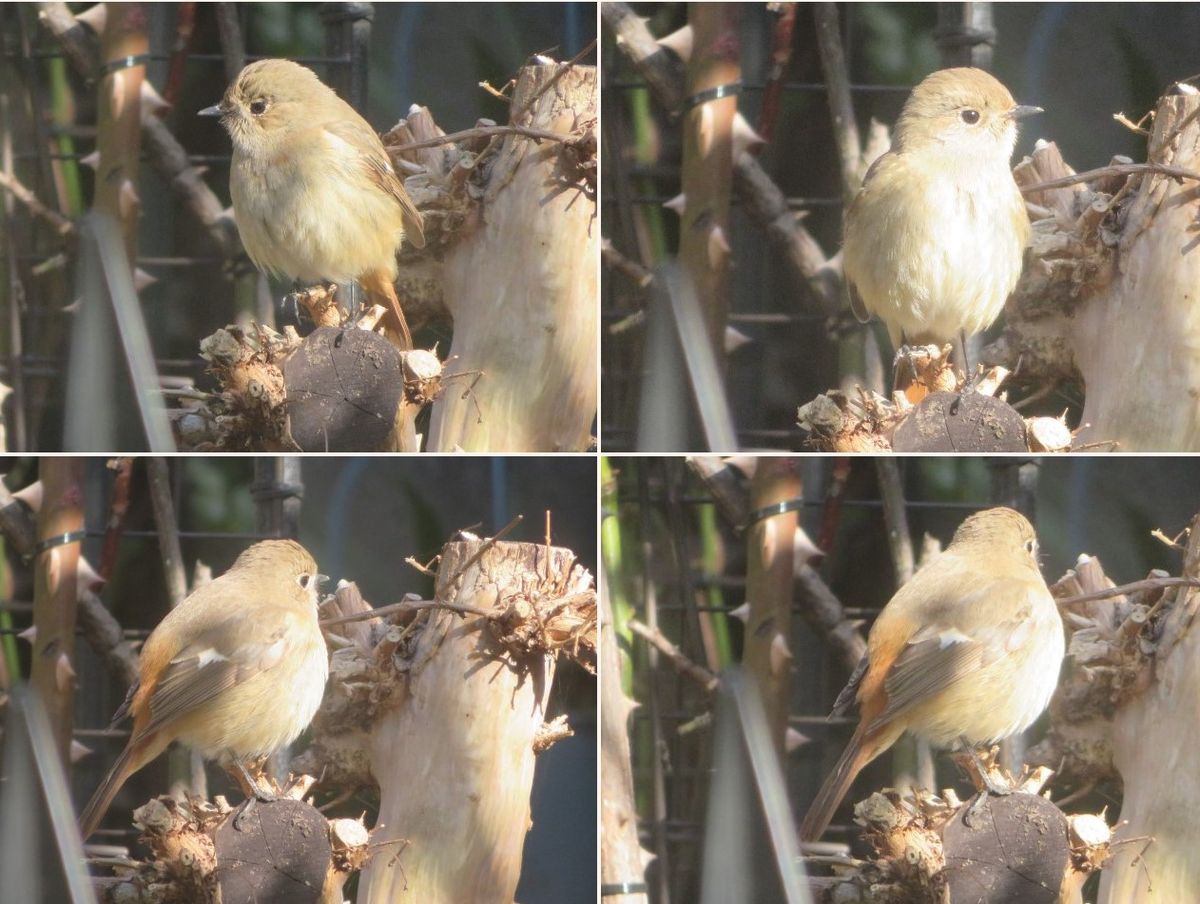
{"type": "Point", "coordinates": [961, 352]}
{"type": "Point", "coordinates": [253, 790]}
{"type": "Point", "coordinates": [981, 774]}
{"type": "Point", "coordinates": [292, 300]}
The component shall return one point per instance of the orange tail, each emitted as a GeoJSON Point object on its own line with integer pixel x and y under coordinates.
{"type": "Point", "coordinates": [860, 751]}
{"type": "Point", "coordinates": [380, 291]}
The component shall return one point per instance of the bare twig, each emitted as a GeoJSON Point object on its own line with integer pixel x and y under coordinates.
{"type": "Point", "coordinates": [781, 56]}
{"type": "Point", "coordinates": [837, 81]}
{"type": "Point", "coordinates": [682, 663]}
{"type": "Point", "coordinates": [1115, 169]}
{"type": "Point", "coordinates": [118, 510]}
{"type": "Point", "coordinates": [825, 613]}
{"type": "Point", "coordinates": [408, 606]}
{"type": "Point", "coordinates": [61, 224]}
{"type": "Point", "coordinates": [896, 518]}
{"type": "Point", "coordinates": [483, 132]}
{"type": "Point", "coordinates": [158, 474]}
{"type": "Point", "coordinates": [233, 48]}
{"type": "Point", "coordinates": [615, 260]}
{"type": "Point", "coordinates": [1125, 589]}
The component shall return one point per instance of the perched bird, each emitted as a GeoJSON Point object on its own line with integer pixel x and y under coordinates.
{"type": "Point", "coordinates": [315, 195]}
{"type": "Point", "coordinates": [967, 652]}
{"type": "Point", "coordinates": [235, 671]}
{"type": "Point", "coordinates": [936, 235]}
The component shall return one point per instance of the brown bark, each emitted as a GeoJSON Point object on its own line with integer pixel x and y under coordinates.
{"type": "Point", "coordinates": [119, 127]}
{"type": "Point", "coordinates": [55, 596]}
{"type": "Point", "coordinates": [704, 244]}
{"type": "Point", "coordinates": [454, 756]}
{"type": "Point", "coordinates": [520, 282]}
{"type": "Point", "coordinates": [771, 565]}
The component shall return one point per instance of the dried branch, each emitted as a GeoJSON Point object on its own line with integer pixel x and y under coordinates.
{"type": "Point", "coordinates": [896, 518]}
{"type": "Point", "coordinates": [763, 202]}
{"type": "Point", "coordinates": [1115, 169]}
{"type": "Point", "coordinates": [837, 82]}
{"type": "Point", "coordinates": [682, 663]}
{"type": "Point", "coordinates": [61, 224]}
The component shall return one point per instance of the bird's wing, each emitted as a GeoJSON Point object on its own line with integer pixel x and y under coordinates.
{"type": "Point", "coordinates": [378, 168]}
{"type": "Point", "coordinates": [219, 658]}
{"type": "Point", "coordinates": [955, 642]}
{"type": "Point", "coordinates": [846, 698]}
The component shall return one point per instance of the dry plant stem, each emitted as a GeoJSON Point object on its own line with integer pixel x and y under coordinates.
{"type": "Point", "coordinates": [118, 513]}
{"type": "Point", "coordinates": [61, 224]}
{"type": "Point", "coordinates": [159, 477]}
{"type": "Point", "coordinates": [826, 615]}
{"type": "Point", "coordinates": [1156, 730]}
{"type": "Point", "coordinates": [891, 488]}
{"type": "Point", "coordinates": [837, 80]}
{"type": "Point", "coordinates": [702, 676]}
{"type": "Point", "coordinates": [769, 552]}
{"type": "Point", "coordinates": [118, 119]}
{"type": "Point", "coordinates": [524, 312]}
{"type": "Point", "coordinates": [56, 595]}
{"type": "Point", "coordinates": [764, 203]}
{"type": "Point", "coordinates": [1127, 589]}
{"type": "Point", "coordinates": [1116, 169]}
{"type": "Point", "coordinates": [233, 47]}
{"type": "Point", "coordinates": [705, 243]}
{"type": "Point", "coordinates": [622, 859]}
{"type": "Point", "coordinates": [455, 758]}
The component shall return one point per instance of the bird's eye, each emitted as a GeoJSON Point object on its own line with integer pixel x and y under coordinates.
{"type": "Point", "coordinates": [304, 581]}
{"type": "Point", "coordinates": [258, 107]}
{"type": "Point", "coordinates": [970, 117]}
{"type": "Point", "coordinates": [1031, 547]}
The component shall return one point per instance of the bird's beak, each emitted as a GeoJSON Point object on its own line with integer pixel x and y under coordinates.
{"type": "Point", "coordinates": [322, 579]}
{"type": "Point", "coordinates": [1021, 111]}
{"type": "Point", "coordinates": [215, 110]}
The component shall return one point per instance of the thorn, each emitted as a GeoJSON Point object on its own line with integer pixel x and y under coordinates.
{"type": "Point", "coordinates": [794, 740]}
{"type": "Point", "coordinates": [677, 204]}
{"type": "Point", "coordinates": [735, 339]}
{"type": "Point", "coordinates": [780, 654]}
{"type": "Point", "coordinates": [679, 42]}
{"type": "Point", "coordinates": [64, 674]}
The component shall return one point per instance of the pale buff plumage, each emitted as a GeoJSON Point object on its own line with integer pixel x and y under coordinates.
{"type": "Point", "coordinates": [235, 671]}
{"type": "Point", "coordinates": [968, 650]}
{"type": "Point", "coordinates": [315, 195]}
{"type": "Point", "coordinates": [935, 238]}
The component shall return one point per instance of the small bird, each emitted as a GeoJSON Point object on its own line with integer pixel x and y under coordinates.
{"type": "Point", "coordinates": [236, 671]}
{"type": "Point", "coordinates": [966, 653]}
{"type": "Point", "coordinates": [315, 195]}
{"type": "Point", "coordinates": [935, 237]}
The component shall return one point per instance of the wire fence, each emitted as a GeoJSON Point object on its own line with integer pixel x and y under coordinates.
{"type": "Point", "coordinates": [793, 349]}
{"type": "Point", "coordinates": [48, 148]}
{"type": "Point", "coordinates": [692, 580]}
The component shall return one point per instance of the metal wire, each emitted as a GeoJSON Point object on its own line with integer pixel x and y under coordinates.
{"type": "Point", "coordinates": [664, 498]}
{"type": "Point", "coordinates": [42, 317]}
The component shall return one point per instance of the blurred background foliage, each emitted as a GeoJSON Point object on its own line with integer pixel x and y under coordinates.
{"type": "Point", "coordinates": [360, 517]}
{"type": "Point", "coordinates": [665, 548]}
{"type": "Point", "coordinates": [1082, 62]}
{"type": "Point", "coordinates": [432, 54]}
